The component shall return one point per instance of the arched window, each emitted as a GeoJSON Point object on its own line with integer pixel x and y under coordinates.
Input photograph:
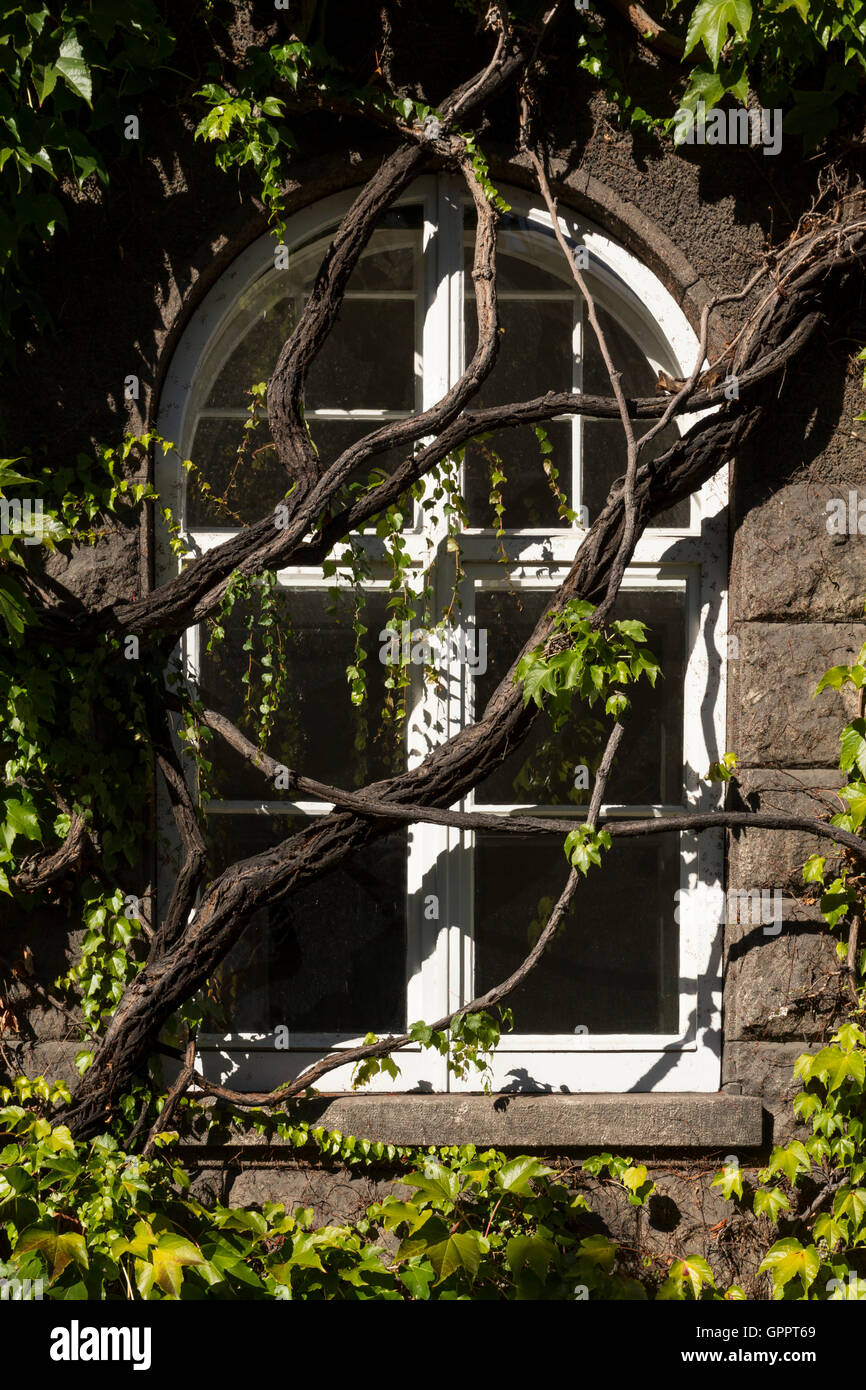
{"type": "Point", "coordinates": [423, 920]}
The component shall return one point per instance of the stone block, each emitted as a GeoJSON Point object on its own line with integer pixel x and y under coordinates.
{"type": "Point", "coordinates": [775, 858]}
{"type": "Point", "coordinates": [773, 719]}
{"type": "Point", "coordinates": [786, 987]}
{"type": "Point", "coordinates": [786, 566]}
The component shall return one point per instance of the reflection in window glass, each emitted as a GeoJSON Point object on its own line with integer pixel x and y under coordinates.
{"type": "Point", "coordinates": [543, 771]}
{"type": "Point", "coordinates": [604, 450]}
{"type": "Point", "coordinates": [614, 964]}
{"type": "Point", "coordinates": [317, 731]}
{"type": "Point", "coordinates": [332, 957]}
{"type": "Point", "coordinates": [366, 363]}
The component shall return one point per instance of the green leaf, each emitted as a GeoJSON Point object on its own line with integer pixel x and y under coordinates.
{"type": "Point", "coordinates": [515, 1176]}
{"type": "Point", "coordinates": [813, 869]}
{"type": "Point", "coordinates": [44, 80]}
{"type": "Point", "coordinates": [536, 1252]}
{"type": "Point", "coordinates": [787, 1260]}
{"type": "Point", "coordinates": [730, 1180]}
{"type": "Point", "coordinates": [437, 1182]}
{"type": "Point", "coordinates": [169, 1258]}
{"type": "Point", "coordinates": [599, 1251]}
{"type": "Point", "coordinates": [417, 1280]}
{"type": "Point", "coordinates": [23, 819]}
{"type": "Point", "coordinates": [770, 1202]}
{"type": "Point", "coordinates": [461, 1251]}
{"type": "Point", "coordinates": [73, 69]}
{"type": "Point", "coordinates": [833, 679]}
{"type": "Point", "coordinates": [853, 740]}
{"type": "Point", "coordinates": [58, 1251]}
{"type": "Point", "coordinates": [710, 22]}
{"type": "Point", "coordinates": [691, 1273]}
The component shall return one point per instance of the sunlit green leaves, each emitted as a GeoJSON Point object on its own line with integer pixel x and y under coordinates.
{"type": "Point", "coordinates": [770, 1202]}
{"type": "Point", "coordinates": [730, 1180]}
{"type": "Point", "coordinates": [687, 1278]}
{"type": "Point", "coordinates": [515, 1177]}
{"type": "Point", "coordinates": [58, 1250]}
{"type": "Point", "coordinates": [789, 1259]}
{"type": "Point", "coordinates": [72, 68]}
{"type": "Point", "coordinates": [595, 665]}
{"type": "Point", "coordinates": [711, 21]}
{"type": "Point", "coordinates": [584, 845]}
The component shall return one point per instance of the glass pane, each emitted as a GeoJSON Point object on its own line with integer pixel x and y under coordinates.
{"type": "Point", "coordinates": [528, 257]}
{"type": "Point", "coordinates": [329, 958]}
{"type": "Point", "coordinates": [613, 966]}
{"type": "Point", "coordinates": [255, 356]}
{"type": "Point", "coordinates": [604, 451]}
{"type": "Point", "coordinates": [366, 363]}
{"type": "Point", "coordinates": [546, 769]}
{"type": "Point", "coordinates": [241, 468]}
{"type": "Point", "coordinates": [368, 359]}
{"type": "Point", "coordinates": [391, 261]}
{"type": "Point", "coordinates": [535, 356]}
{"type": "Point", "coordinates": [527, 494]}
{"type": "Point", "coordinates": [317, 731]}
{"type": "Point", "coordinates": [333, 437]}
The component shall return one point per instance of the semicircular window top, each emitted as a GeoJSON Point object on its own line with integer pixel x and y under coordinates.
{"type": "Point", "coordinates": [420, 921]}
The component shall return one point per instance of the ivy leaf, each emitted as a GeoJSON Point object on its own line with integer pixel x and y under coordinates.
{"type": "Point", "coordinates": [730, 1180]}
{"type": "Point", "coordinates": [851, 1202]}
{"type": "Point", "coordinates": [801, 6]}
{"type": "Point", "coordinates": [73, 69]}
{"type": "Point", "coordinates": [831, 1230]}
{"type": "Point", "coordinates": [535, 1251]}
{"type": "Point", "coordinates": [853, 740]}
{"type": "Point", "coordinates": [418, 1280]}
{"type": "Point", "coordinates": [833, 679]}
{"type": "Point", "coordinates": [692, 1272]}
{"type": "Point", "coordinates": [23, 819]}
{"type": "Point", "coordinates": [169, 1259]}
{"type": "Point", "coordinates": [788, 1259]}
{"type": "Point", "coordinates": [58, 1251]}
{"type": "Point", "coordinates": [710, 22]}
{"type": "Point", "coordinates": [44, 80]}
{"type": "Point", "coordinates": [599, 1251]}
{"type": "Point", "coordinates": [770, 1202]}
{"type": "Point", "coordinates": [514, 1177]}
{"type": "Point", "coordinates": [813, 869]}
{"type": "Point", "coordinates": [439, 1183]}
{"type": "Point", "coordinates": [791, 1160]}
{"type": "Point", "coordinates": [461, 1250]}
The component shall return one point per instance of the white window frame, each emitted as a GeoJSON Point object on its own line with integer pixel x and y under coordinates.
{"type": "Point", "coordinates": [691, 559]}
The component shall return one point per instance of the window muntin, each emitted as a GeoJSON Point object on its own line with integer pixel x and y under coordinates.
{"type": "Point", "coordinates": [448, 960]}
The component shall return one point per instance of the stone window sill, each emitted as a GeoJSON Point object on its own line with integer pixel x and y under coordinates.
{"type": "Point", "coordinates": [687, 1120]}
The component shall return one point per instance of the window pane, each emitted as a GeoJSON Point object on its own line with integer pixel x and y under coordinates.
{"type": "Point", "coordinates": [613, 966]}
{"type": "Point", "coordinates": [250, 483]}
{"type": "Point", "coordinates": [317, 731]}
{"type": "Point", "coordinates": [528, 257]}
{"type": "Point", "coordinates": [604, 450]}
{"type": "Point", "coordinates": [535, 356]}
{"type": "Point", "coordinates": [368, 358]}
{"type": "Point", "coordinates": [255, 356]}
{"type": "Point", "coordinates": [545, 769]}
{"type": "Point", "coordinates": [333, 437]}
{"type": "Point", "coordinates": [330, 958]}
